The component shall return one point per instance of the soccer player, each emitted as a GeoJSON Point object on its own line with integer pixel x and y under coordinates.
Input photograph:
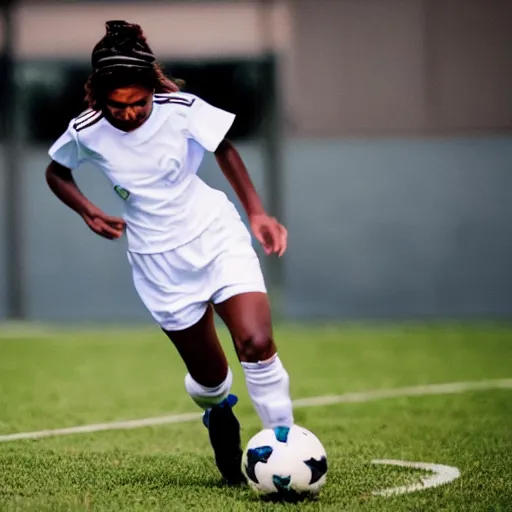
{"type": "Point", "coordinates": [189, 250]}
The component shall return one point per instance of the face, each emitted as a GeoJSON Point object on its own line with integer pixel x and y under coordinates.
{"type": "Point", "coordinates": [128, 107]}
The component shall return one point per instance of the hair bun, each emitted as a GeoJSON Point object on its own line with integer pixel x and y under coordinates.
{"type": "Point", "coordinates": [124, 45]}
{"type": "Point", "coordinates": [121, 28]}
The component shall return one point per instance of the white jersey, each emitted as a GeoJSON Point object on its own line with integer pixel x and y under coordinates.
{"type": "Point", "coordinates": [154, 167]}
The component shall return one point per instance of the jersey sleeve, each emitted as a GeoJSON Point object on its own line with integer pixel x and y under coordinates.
{"type": "Point", "coordinates": [208, 125]}
{"type": "Point", "coordinates": [66, 149]}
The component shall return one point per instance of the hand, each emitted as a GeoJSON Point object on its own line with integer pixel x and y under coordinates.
{"type": "Point", "coordinates": [102, 224]}
{"type": "Point", "coordinates": [270, 233]}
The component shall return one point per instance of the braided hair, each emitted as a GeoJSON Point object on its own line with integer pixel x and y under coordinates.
{"type": "Point", "coordinates": [122, 58]}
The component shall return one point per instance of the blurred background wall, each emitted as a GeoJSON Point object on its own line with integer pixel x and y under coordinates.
{"type": "Point", "coordinates": [380, 131]}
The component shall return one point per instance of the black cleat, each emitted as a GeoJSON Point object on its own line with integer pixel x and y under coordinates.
{"type": "Point", "coordinates": [224, 431]}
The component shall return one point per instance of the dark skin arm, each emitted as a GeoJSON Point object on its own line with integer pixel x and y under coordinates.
{"type": "Point", "coordinates": [61, 182]}
{"type": "Point", "coordinates": [268, 231]}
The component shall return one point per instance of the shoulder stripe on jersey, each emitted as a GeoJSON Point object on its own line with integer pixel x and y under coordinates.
{"type": "Point", "coordinates": [85, 120]}
{"type": "Point", "coordinates": [176, 101]}
{"type": "Point", "coordinates": [172, 94]}
{"type": "Point", "coordinates": [88, 122]}
{"type": "Point", "coordinates": [177, 95]}
{"type": "Point", "coordinates": [85, 115]}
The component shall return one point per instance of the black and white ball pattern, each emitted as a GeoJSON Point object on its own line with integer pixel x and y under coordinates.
{"type": "Point", "coordinates": [285, 461]}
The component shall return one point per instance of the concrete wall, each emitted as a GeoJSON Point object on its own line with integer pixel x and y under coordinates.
{"type": "Point", "coordinates": [3, 250]}
{"type": "Point", "coordinates": [398, 67]}
{"type": "Point", "coordinates": [177, 30]}
{"type": "Point", "coordinates": [387, 228]}
{"type": "Point", "coordinates": [399, 229]}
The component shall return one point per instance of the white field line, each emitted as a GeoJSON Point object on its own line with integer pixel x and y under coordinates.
{"type": "Point", "coordinates": [442, 475]}
{"type": "Point", "coordinates": [427, 389]}
{"type": "Point", "coordinates": [363, 396]}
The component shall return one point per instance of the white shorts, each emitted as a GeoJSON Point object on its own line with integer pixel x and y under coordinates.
{"type": "Point", "coordinates": [176, 286]}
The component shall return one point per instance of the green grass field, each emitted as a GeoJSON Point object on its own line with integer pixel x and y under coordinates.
{"type": "Point", "coordinates": [64, 378]}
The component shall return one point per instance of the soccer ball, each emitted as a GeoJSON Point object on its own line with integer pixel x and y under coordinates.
{"type": "Point", "coordinates": [285, 462]}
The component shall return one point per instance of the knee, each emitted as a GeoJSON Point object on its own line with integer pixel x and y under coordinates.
{"type": "Point", "coordinates": [255, 346]}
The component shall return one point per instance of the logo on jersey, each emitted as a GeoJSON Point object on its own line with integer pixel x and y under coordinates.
{"type": "Point", "coordinates": [122, 192]}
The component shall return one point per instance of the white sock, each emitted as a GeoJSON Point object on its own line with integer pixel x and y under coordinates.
{"type": "Point", "coordinates": [206, 397]}
{"type": "Point", "coordinates": [269, 389]}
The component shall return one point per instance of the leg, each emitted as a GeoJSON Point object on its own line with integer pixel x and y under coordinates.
{"type": "Point", "coordinates": [200, 349]}
{"type": "Point", "coordinates": [248, 319]}
{"type": "Point", "coordinates": [208, 382]}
